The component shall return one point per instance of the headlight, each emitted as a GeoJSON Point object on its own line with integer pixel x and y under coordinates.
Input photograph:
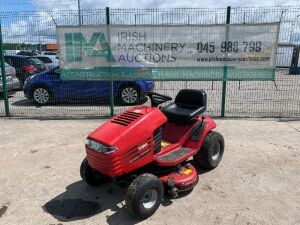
{"type": "Point", "coordinates": [99, 147]}
{"type": "Point", "coordinates": [28, 79]}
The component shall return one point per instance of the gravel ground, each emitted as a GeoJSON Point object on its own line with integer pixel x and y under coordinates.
{"type": "Point", "coordinates": [257, 181]}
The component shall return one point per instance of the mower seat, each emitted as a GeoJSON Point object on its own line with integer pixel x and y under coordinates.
{"type": "Point", "coordinates": [188, 104]}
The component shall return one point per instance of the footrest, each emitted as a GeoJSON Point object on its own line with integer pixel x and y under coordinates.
{"type": "Point", "coordinates": [174, 157]}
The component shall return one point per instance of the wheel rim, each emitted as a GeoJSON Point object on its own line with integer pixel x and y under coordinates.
{"type": "Point", "coordinates": [150, 199]}
{"type": "Point", "coordinates": [41, 95]}
{"type": "Point", "coordinates": [217, 150]}
{"type": "Point", "coordinates": [129, 95]}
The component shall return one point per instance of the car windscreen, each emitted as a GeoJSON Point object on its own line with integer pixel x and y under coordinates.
{"type": "Point", "coordinates": [33, 61]}
{"type": "Point", "coordinates": [45, 59]}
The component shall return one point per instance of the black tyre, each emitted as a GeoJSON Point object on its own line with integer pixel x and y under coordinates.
{"type": "Point", "coordinates": [144, 195]}
{"type": "Point", "coordinates": [211, 152]}
{"type": "Point", "coordinates": [89, 176]}
{"type": "Point", "coordinates": [21, 83]}
{"type": "Point", "coordinates": [129, 95]}
{"type": "Point", "coordinates": [41, 95]}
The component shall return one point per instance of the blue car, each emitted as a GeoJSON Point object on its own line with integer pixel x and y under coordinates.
{"type": "Point", "coordinates": [48, 87]}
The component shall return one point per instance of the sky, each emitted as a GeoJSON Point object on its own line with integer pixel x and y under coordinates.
{"type": "Point", "coordinates": [39, 26]}
{"type": "Point", "coordinates": [30, 5]}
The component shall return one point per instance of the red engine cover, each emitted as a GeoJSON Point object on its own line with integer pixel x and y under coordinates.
{"type": "Point", "coordinates": [132, 133]}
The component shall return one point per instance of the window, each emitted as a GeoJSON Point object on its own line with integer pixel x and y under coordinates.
{"type": "Point", "coordinates": [50, 53]}
{"type": "Point", "coordinates": [45, 59]}
{"type": "Point", "coordinates": [33, 61]}
{"type": "Point", "coordinates": [16, 61]}
{"type": "Point", "coordinates": [8, 60]}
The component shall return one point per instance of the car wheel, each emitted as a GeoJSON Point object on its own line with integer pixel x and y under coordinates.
{"type": "Point", "coordinates": [144, 195]}
{"type": "Point", "coordinates": [129, 95]}
{"type": "Point", "coordinates": [211, 152]}
{"type": "Point", "coordinates": [41, 95]}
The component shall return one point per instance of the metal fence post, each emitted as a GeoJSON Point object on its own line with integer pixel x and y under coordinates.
{"type": "Point", "coordinates": [3, 72]}
{"type": "Point", "coordinates": [79, 13]}
{"type": "Point", "coordinates": [111, 82]}
{"type": "Point", "coordinates": [224, 83]}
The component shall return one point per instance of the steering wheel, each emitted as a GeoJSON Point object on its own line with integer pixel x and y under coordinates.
{"type": "Point", "coordinates": [157, 99]}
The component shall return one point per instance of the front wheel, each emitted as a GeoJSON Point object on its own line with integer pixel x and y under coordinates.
{"type": "Point", "coordinates": [211, 152]}
{"type": "Point", "coordinates": [89, 176]}
{"type": "Point", "coordinates": [144, 195]}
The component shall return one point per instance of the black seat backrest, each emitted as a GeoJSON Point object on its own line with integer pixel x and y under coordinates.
{"type": "Point", "coordinates": [191, 98]}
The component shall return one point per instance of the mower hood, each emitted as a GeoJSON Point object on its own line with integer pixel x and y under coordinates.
{"type": "Point", "coordinates": [130, 127]}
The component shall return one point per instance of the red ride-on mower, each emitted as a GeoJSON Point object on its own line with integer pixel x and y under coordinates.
{"type": "Point", "coordinates": [149, 147]}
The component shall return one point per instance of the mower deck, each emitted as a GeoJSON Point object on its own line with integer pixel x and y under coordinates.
{"type": "Point", "coordinates": [185, 178]}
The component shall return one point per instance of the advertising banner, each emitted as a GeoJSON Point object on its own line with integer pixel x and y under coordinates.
{"type": "Point", "coordinates": [168, 52]}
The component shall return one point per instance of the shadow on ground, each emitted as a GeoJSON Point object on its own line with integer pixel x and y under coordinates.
{"type": "Point", "coordinates": [81, 201]}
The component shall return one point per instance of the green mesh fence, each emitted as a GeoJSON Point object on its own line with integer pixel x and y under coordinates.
{"type": "Point", "coordinates": [35, 30]}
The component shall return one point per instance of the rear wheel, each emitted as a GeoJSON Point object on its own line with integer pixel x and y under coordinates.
{"type": "Point", "coordinates": [211, 152]}
{"type": "Point", "coordinates": [41, 96]}
{"type": "Point", "coordinates": [89, 176]}
{"type": "Point", "coordinates": [129, 95]}
{"type": "Point", "coordinates": [144, 195]}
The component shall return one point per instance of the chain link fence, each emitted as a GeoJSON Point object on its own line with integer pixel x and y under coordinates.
{"type": "Point", "coordinates": [36, 30]}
